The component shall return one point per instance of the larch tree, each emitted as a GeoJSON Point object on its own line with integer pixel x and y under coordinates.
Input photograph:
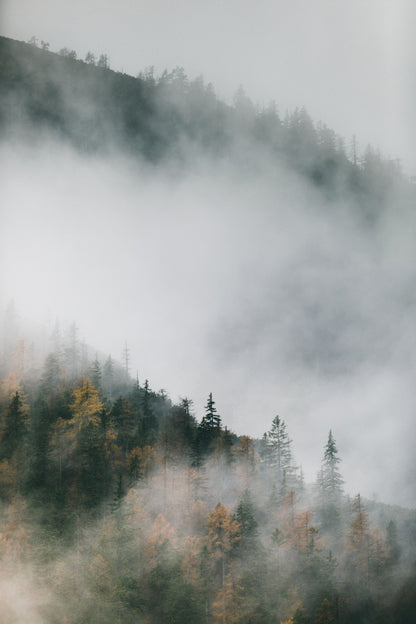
{"type": "Point", "coordinates": [223, 534]}
{"type": "Point", "coordinates": [358, 543]}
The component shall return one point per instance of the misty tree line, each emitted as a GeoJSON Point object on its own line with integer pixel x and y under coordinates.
{"type": "Point", "coordinates": [131, 510]}
{"type": "Point", "coordinates": [172, 117]}
{"type": "Point", "coordinates": [90, 58]}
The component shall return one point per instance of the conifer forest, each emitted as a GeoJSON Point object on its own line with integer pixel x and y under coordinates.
{"type": "Point", "coordinates": [121, 505]}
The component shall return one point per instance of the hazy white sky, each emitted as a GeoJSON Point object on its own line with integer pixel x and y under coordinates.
{"type": "Point", "coordinates": [352, 63]}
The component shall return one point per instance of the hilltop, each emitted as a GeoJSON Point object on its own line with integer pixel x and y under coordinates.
{"type": "Point", "coordinates": [171, 117]}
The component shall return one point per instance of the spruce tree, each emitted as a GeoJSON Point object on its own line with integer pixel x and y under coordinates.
{"type": "Point", "coordinates": [332, 480]}
{"type": "Point", "coordinates": [210, 425]}
{"type": "Point", "coordinates": [14, 427]}
{"type": "Point", "coordinates": [211, 420]}
{"type": "Point", "coordinates": [245, 516]}
{"type": "Point", "coordinates": [279, 454]}
{"type": "Point", "coordinates": [330, 484]}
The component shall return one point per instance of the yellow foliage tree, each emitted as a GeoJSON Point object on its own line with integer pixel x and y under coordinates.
{"type": "Point", "coordinates": [358, 543]}
{"type": "Point", "coordinates": [223, 530]}
{"type": "Point", "coordinates": [244, 451]}
{"type": "Point", "coordinates": [8, 478]}
{"type": "Point", "coordinates": [162, 534]}
{"type": "Point", "coordinates": [140, 461]}
{"type": "Point", "coordinates": [223, 533]}
{"type": "Point", "coordinates": [225, 608]}
{"type": "Point", "coordinates": [86, 406]}
{"type": "Point", "coordinates": [325, 613]}
{"type": "Point", "coordinates": [304, 535]}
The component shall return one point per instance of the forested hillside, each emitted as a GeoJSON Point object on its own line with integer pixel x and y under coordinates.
{"type": "Point", "coordinates": [119, 504]}
{"type": "Point", "coordinates": [170, 116]}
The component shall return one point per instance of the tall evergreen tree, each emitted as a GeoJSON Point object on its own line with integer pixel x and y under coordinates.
{"type": "Point", "coordinates": [210, 425]}
{"type": "Point", "coordinates": [245, 516]}
{"type": "Point", "coordinates": [211, 420]}
{"type": "Point", "coordinates": [329, 487]}
{"type": "Point", "coordinates": [331, 479]}
{"type": "Point", "coordinates": [108, 376]}
{"type": "Point", "coordinates": [14, 426]}
{"type": "Point", "coordinates": [279, 453]}
{"type": "Point", "coordinates": [95, 373]}
{"type": "Point", "coordinates": [149, 423]}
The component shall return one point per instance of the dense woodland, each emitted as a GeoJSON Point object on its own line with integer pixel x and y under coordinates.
{"type": "Point", "coordinates": [119, 505]}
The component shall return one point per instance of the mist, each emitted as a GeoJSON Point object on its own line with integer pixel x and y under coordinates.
{"type": "Point", "coordinates": [247, 282]}
{"type": "Point", "coordinates": [246, 454]}
{"type": "Point", "coordinates": [350, 63]}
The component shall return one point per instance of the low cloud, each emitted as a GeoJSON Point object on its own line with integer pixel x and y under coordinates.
{"type": "Point", "coordinates": [255, 287]}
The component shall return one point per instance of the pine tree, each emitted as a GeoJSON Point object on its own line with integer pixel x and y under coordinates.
{"type": "Point", "coordinates": [14, 427]}
{"type": "Point", "coordinates": [245, 516]}
{"type": "Point", "coordinates": [149, 423]}
{"type": "Point", "coordinates": [210, 425]}
{"type": "Point", "coordinates": [211, 420]}
{"type": "Point", "coordinates": [95, 372]}
{"type": "Point", "coordinates": [332, 480]}
{"type": "Point", "coordinates": [51, 376]}
{"type": "Point", "coordinates": [72, 352]}
{"type": "Point", "coordinates": [329, 487]}
{"type": "Point", "coordinates": [393, 543]}
{"type": "Point", "coordinates": [278, 454]}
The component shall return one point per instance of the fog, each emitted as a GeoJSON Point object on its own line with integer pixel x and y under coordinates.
{"type": "Point", "coordinates": [253, 287]}
{"type": "Point", "coordinates": [352, 64]}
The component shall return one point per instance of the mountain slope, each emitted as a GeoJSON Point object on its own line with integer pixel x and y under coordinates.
{"type": "Point", "coordinates": [95, 108]}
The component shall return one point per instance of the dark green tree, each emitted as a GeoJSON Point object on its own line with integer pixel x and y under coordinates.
{"type": "Point", "coordinates": [122, 416]}
{"type": "Point", "coordinates": [245, 516]}
{"type": "Point", "coordinates": [330, 484]}
{"type": "Point", "coordinates": [211, 420]}
{"type": "Point", "coordinates": [210, 425]}
{"type": "Point", "coordinates": [108, 376]}
{"type": "Point", "coordinates": [149, 421]}
{"type": "Point", "coordinates": [332, 480]}
{"type": "Point", "coordinates": [279, 453]}
{"type": "Point", "coordinates": [14, 427]}
{"type": "Point", "coordinates": [392, 537]}
{"type": "Point", "coordinates": [95, 373]}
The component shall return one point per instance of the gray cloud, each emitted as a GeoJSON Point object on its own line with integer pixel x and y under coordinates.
{"type": "Point", "coordinates": [255, 288]}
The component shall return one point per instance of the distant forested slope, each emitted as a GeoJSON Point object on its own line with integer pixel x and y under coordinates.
{"type": "Point", "coordinates": [170, 116]}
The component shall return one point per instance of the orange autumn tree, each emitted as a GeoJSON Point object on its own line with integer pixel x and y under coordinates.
{"type": "Point", "coordinates": [86, 406]}
{"type": "Point", "coordinates": [223, 534]}
{"type": "Point", "coordinates": [83, 447]}
{"type": "Point", "coordinates": [226, 606]}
